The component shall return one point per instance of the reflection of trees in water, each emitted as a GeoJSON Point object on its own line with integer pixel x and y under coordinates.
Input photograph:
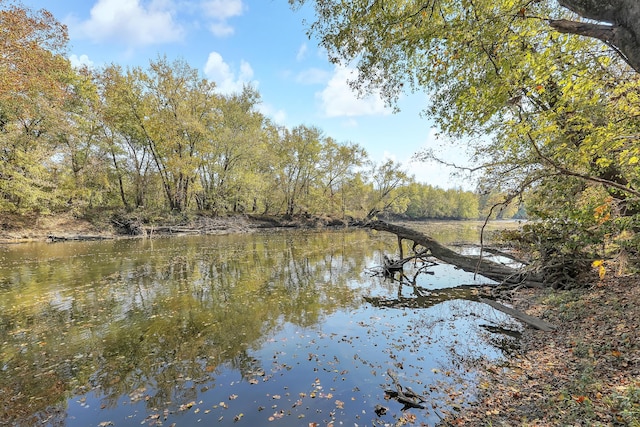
{"type": "Point", "coordinates": [167, 318]}
{"type": "Point", "coordinates": [462, 332]}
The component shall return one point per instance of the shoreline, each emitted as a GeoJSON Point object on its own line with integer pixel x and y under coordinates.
{"type": "Point", "coordinates": [66, 228]}
{"type": "Point", "coordinates": [587, 372]}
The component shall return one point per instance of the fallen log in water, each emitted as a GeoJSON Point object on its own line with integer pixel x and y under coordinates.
{"type": "Point", "coordinates": [404, 395]}
{"type": "Point", "coordinates": [474, 264]}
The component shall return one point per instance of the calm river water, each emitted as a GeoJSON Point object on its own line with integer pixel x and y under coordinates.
{"type": "Point", "coordinates": [284, 328]}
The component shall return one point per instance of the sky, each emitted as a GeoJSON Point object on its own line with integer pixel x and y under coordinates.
{"type": "Point", "coordinates": [263, 43]}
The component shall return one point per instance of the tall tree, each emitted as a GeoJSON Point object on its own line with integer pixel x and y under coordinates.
{"type": "Point", "coordinates": [545, 108]}
{"type": "Point", "coordinates": [227, 172]}
{"type": "Point", "coordinates": [122, 95]}
{"type": "Point", "coordinates": [173, 111]}
{"type": "Point", "coordinates": [33, 89]}
{"type": "Point", "coordinates": [182, 108]}
{"type": "Point", "coordinates": [299, 152]}
{"type": "Point", "coordinates": [390, 190]}
{"type": "Point", "coordinates": [338, 164]}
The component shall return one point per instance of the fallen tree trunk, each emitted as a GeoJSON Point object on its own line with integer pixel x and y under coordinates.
{"type": "Point", "coordinates": [474, 264]}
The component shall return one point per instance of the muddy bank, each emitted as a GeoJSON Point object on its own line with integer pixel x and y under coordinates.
{"type": "Point", "coordinates": [18, 229]}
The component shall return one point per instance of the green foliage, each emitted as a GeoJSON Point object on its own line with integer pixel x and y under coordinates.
{"type": "Point", "coordinates": [552, 117]}
{"type": "Point", "coordinates": [159, 138]}
{"type": "Point", "coordinates": [435, 203]}
{"type": "Point", "coordinates": [33, 92]}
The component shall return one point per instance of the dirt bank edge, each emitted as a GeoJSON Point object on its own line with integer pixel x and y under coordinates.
{"type": "Point", "coordinates": [22, 229]}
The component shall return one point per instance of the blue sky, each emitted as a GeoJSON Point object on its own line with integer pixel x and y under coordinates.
{"type": "Point", "coordinates": [262, 42]}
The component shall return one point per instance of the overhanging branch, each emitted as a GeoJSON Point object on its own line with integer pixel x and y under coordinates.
{"type": "Point", "coordinates": [564, 171]}
{"type": "Point", "coordinates": [602, 32]}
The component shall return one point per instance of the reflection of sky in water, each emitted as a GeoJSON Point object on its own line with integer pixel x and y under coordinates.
{"type": "Point", "coordinates": [342, 362]}
{"type": "Point", "coordinates": [335, 371]}
{"type": "Point", "coordinates": [306, 369]}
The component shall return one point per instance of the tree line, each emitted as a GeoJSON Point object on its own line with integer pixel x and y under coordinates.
{"type": "Point", "coordinates": [160, 138]}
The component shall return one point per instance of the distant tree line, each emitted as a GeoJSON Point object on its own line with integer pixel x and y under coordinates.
{"type": "Point", "coordinates": [161, 138]}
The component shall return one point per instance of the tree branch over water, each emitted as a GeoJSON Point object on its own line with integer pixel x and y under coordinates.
{"type": "Point", "coordinates": [473, 264]}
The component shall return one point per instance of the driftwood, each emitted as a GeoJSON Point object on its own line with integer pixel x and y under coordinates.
{"type": "Point", "coordinates": [534, 322]}
{"type": "Point", "coordinates": [474, 264]}
{"type": "Point", "coordinates": [404, 395]}
{"type": "Point", "coordinates": [393, 265]}
{"type": "Point", "coordinates": [77, 237]}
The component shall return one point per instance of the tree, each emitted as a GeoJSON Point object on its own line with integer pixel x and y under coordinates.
{"type": "Point", "coordinates": [227, 172]}
{"type": "Point", "coordinates": [34, 87]}
{"type": "Point", "coordinates": [617, 24]}
{"type": "Point", "coordinates": [299, 154]}
{"type": "Point", "coordinates": [83, 176]}
{"type": "Point", "coordinates": [338, 164]}
{"type": "Point", "coordinates": [169, 113]}
{"type": "Point", "coordinates": [389, 192]}
{"type": "Point", "coordinates": [545, 109]}
{"type": "Point", "coordinates": [122, 95]}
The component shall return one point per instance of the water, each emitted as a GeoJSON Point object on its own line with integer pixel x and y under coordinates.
{"type": "Point", "coordinates": [283, 328]}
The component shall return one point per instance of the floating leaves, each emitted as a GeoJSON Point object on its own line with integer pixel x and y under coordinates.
{"type": "Point", "coordinates": [186, 406]}
{"type": "Point", "coordinates": [276, 415]}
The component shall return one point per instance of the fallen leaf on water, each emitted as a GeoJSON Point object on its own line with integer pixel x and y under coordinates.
{"type": "Point", "coordinates": [186, 406]}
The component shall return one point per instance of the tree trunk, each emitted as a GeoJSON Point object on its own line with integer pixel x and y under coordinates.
{"type": "Point", "coordinates": [618, 25]}
{"type": "Point", "coordinates": [474, 264]}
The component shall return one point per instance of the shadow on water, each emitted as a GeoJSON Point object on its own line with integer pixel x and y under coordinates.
{"type": "Point", "coordinates": [286, 328]}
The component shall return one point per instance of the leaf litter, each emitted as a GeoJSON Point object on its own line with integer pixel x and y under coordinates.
{"type": "Point", "coordinates": [585, 373]}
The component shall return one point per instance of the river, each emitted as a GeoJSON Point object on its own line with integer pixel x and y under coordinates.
{"type": "Point", "coordinates": [287, 328]}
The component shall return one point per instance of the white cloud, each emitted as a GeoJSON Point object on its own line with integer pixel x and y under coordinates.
{"type": "Point", "coordinates": [131, 22]}
{"type": "Point", "coordinates": [278, 116]}
{"type": "Point", "coordinates": [221, 29]}
{"type": "Point", "coordinates": [302, 52]}
{"type": "Point", "coordinates": [223, 9]}
{"type": "Point", "coordinates": [220, 11]}
{"type": "Point", "coordinates": [80, 61]}
{"type": "Point", "coordinates": [339, 100]}
{"type": "Point", "coordinates": [313, 76]}
{"type": "Point", "coordinates": [226, 80]}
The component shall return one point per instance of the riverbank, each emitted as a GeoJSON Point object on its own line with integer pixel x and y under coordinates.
{"type": "Point", "coordinates": [585, 373]}
{"type": "Point", "coordinates": [21, 229]}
